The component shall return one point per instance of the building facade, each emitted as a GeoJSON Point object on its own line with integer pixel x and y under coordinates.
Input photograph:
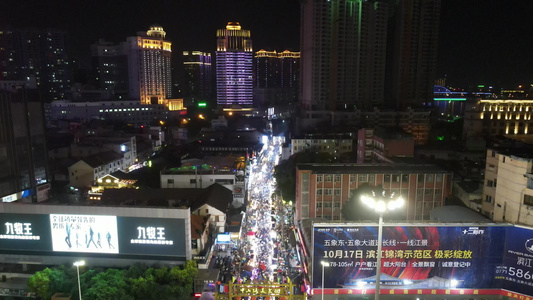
{"type": "Point", "coordinates": [198, 77]}
{"type": "Point", "coordinates": [508, 186]}
{"type": "Point", "coordinates": [110, 67]}
{"type": "Point", "coordinates": [149, 63]}
{"type": "Point", "coordinates": [234, 73]}
{"type": "Point", "coordinates": [363, 53]}
{"type": "Point", "coordinates": [323, 189]}
{"type": "Point", "coordinates": [334, 146]}
{"type": "Point", "coordinates": [24, 173]}
{"type": "Point", "coordinates": [39, 54]}
{"type": "Point", "coordinates": [276, 77]}
{"type": "Point", "coordinates": [382, 145]}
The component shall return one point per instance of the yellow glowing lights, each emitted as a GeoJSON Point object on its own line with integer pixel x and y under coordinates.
{"type": "Point", "coordinates": [233, 26]}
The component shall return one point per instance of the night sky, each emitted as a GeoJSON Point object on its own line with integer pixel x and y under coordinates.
{"type": "Point", "coordinates": [481, 41]}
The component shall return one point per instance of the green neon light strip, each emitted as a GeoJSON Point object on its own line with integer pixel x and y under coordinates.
{"type": "Point", "coordinates": [449, 99]}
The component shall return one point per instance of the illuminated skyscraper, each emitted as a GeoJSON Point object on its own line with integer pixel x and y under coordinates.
{"type": "Point", "coordinates": [198, 81]}
{"type": "Point", "coordinates": [234, 74]}
{"type": "Point", "coordinates": [149, 57]}
{"type": "Point", "coordinates": [276, 77]}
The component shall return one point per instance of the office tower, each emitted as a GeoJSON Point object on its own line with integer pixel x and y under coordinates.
{"type": "Point", "coordinates": [343, 44]}
{"type": "Point", "coordinates": [110, 66]}
{"type": "Point", "coordinates": [413, 52]}
{"type": "Point", "coordinates": [36, 53]}
{"type": "Point", "coordinates": [276, 77]}
{"type": "Point", "coordinates": [234, 74]}
{"type": "Point", "coordinates": [198, 85]}
{"type": "Point", "coordinates": [24, 171]}
{"type": "Point", "coordinates": [149, 68]}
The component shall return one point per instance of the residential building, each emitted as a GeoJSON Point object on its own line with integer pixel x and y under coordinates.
{"type": "Point", "coordinates": [323, 189]}
{"type": "Point", "coordinates": [234, 73]}
{"type": "Point", "coordinates": [412, 52]}
{"type": "Point", "coordinates": [110, 67]}
{"type": "Point", "coordinates": [198, 78]}
{"type": "Point", "coordinates": [413, 121]}
{"type": "Point", "coordinates": [276, 77]}
{"type": "Point", "coordinates": [334, 146]}
{"type": "Point", "coordinates": [36, 54]}
{"type": "Point", "coordinates": [24, 174]}
{"type": "Point", "coordinates": [382, 145]}
{"type": "Point", "coordinates": [89, 169]}
{"type": "Point", "coordinates": [508, 186]}
{"type": "Point", "coordinates": [90, 145]}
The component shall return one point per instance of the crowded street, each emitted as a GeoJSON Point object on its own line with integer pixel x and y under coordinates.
{"type": "Point", "coordinates": [265, 252]}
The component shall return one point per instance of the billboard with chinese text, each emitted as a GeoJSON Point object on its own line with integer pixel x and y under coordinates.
{"type": "Point", "coordinates": [84, 233]}
{"type": "Point", "coordinates": [413, 257]}
{"type": "Point", "coordinates": [516, 271]}
{"type": "Point", "coordinates": [24, 232]}
{"type": "Point", "coordinates": [97, 234]}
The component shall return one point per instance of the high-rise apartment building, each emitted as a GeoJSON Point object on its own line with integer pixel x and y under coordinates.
{"type": "Point", "coordinates": [110, 66]}
{"type": "Point", "coordinates": [24, 171]}
{"type": "Point", "coordinates": [36, 54]}
{"type": "Point", "coordinates": [276, 77]}
{"type": "Point", "coordinates": [198, 85]}
{"type": "Point", "coordinates": [365, 53]}
{"type": "Point", "coordinates": [234, 73]}
{"type": "Point", "coordinates": [412, 60]}
{"type": "Point", "coordinates": [149, 57]}
{"type": "Point", "coordinates": [343, 44]}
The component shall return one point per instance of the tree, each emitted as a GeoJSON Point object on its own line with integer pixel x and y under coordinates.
{"type": "Point", "coordinates": [110, 284]}
{"type": "Point", "coordinates": [50, 281]}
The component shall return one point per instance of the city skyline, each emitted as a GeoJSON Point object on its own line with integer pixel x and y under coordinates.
{"type": "Point", "coordinates": [478, 44]}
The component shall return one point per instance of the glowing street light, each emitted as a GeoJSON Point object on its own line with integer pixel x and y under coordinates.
{"type": "Point", "coordinates": [324, 264]}
{"type": "Point", "coordinates": [381, 204]}
{"type": "Point", "coordinates": [78, 264]}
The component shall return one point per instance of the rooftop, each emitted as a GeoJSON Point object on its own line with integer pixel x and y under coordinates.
{"type": "Point", "coordinates": [370, 168]}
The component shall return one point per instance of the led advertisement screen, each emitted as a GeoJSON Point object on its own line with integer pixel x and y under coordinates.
{"type": "Point", "coordinates": [24, 232]}
{"type": "Point", "coordinates": [84, 233]}
{"type": "Point", "coordinates": [517, 269]}
{"type": "Point", "coordinates": [413, 257]}
{"type": "Point", "coordinates": [152, 236]}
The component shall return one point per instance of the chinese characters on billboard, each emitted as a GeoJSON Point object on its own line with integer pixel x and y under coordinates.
{"type": "Point", "coordinates": [413, 257]}
{"type": "Point", "coordinates": [93, 234]}
{"type": "Point", "coordinates": [84, 233]}
{"type": "Point", "coordinates": [517, 269]}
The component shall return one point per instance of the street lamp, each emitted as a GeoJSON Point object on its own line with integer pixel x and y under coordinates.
{"type": "Point", "coordinates": [324, 264]}
{"type": "Point", "coordinates": [78, 264]}
{"type": "Point", "coordinates": [381, 204]}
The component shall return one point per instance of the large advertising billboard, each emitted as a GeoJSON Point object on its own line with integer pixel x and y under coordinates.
{"type": "Point", "coordinates": [413, 257]}
{"type": "Point", "coordinates": [24, 232]}
{"type": "Point", "coordinates": [517, 269]}
{"type": "Point", "coordinates": [84, 233]}
{"type": "Point", "coordinates": [98, 234]}
{"type": "Point", "coordinates": [152, 236]}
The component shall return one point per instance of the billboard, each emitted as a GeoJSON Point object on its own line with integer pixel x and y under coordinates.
{"type": "Point", "coordinates": [152, 236]}
{"type": "Point", "coordinates": [516, 271]}
{"type": "Point", "coordinates": [413, 257]}
{"type": "Point", "coordinates": [24, 232]}
{"type": "Point", "coordinates": [84, 233]}
{"type": "Point", "coordinates": [99, 234]}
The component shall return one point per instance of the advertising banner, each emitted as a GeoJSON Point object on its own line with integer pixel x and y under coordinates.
{"type": "Point", "coordinates": [24, 232]}
{"type": "Point", "coordinates": [84, 233]}
{"type": "Point", "coordinates": [517, 269]}
{"type": "Point", "coordinates": [155, 236]}
{"type": "Point", "coordinates": [413, 257]}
